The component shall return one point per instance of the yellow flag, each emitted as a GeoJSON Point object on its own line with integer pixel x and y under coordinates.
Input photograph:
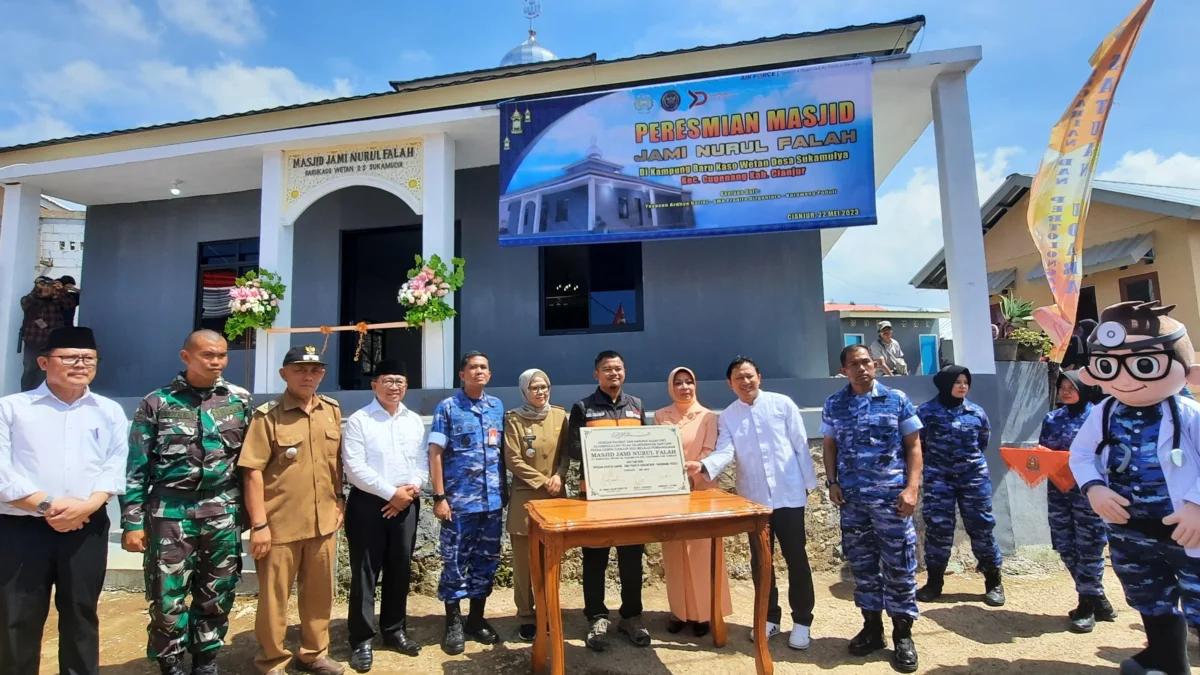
{"type": "Point", "coordinates": [1062, 188]}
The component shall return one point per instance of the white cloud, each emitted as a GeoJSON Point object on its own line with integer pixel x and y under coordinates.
{"type": "Point", "coordinates": [73, 86]}
{"type": "Point", "coordinates": [1147, 166]}
{"type": "Point", "coordinates": [232, 22]}
{"type": "Point", "coordinates": [42, 127]}
{"type": "Point", "coordinates": [231, 87]}
{"type": "Point", "coordinates": [875, 263]}
{"type": "Point", "coordinates": [121, 17]}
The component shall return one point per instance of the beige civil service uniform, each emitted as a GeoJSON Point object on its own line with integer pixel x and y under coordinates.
{"type": "Point", "coordinates": [301, 495]}
{"type": "Point", "coordinates": [530, 475]}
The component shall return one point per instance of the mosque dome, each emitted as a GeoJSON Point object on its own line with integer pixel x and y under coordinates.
{"type": "Point", "coordinates": [529, 51]}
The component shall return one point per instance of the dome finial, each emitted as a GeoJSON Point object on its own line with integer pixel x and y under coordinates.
{"type": "Point", "coordinates": [532, 10]}
{"type": "Point", "coordinates": [594, 149]}
{"type": "Point", "coordinates": [529, 51]}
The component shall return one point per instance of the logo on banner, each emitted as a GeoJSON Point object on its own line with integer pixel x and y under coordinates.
{"type": "Point", "coordinates": [670, 101]}
{"type": "Point", "coordinates": [644, 103]}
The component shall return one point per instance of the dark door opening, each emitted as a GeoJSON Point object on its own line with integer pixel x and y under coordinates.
{"type": "Point", "coordinates": [375, 264]}
{"type": "Point", "coordinates": [1087, 308]}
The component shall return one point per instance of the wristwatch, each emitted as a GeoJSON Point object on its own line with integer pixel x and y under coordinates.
{"type": "Point", "coordinates": [830, 483]}
{"type": "Point", "coordinates": [44, 507]}
{"type": "Point", "coordinates": [439, 498]}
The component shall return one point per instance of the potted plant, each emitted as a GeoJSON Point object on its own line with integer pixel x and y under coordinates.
{"type": "Point", "coordinates": [1031, 345]}
{"type": "Point", "coordinates": [1016, 314]}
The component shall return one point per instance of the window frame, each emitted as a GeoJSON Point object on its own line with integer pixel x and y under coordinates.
{"type": "Point", "coordinates": [240, 268]}
{"type": "Point", "coordinates": [862, 339]}
{"type": "Point", "coordinates": [1124, 282]}
{"type": "Point", "coordinates": [639, 326]}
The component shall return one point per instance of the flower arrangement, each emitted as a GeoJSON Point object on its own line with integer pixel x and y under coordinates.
{"type": "Point", "coordinates": [253, 302]}
{"type": "Point", "coordinates": [423, 295]}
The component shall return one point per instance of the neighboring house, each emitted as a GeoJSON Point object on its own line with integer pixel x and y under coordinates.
{"type": "Point", "coordinates": [60, 239]}
{"type": "Point", "coordinates": [1140, 242]}
{"type": "Point", "coordinates": [919, 332]}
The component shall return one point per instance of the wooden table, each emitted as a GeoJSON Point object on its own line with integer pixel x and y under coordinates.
{"type": "Point", "coordinates": [556, 525]}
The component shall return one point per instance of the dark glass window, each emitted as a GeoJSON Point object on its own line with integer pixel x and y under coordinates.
{"type": "Point", "coordinates": [220, 263]}
{"type": "Point", "coordinates": [591, 288]}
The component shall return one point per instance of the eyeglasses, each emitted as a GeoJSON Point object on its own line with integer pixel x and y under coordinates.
{"type": "Point", "coordinates": [1147, 366]}
{"type": "Point", "coordinates": [393, 384]}
{"type": "Point", "coordinates": [88, 361]}
{"type": "Point", "coordinates": [539, 389]}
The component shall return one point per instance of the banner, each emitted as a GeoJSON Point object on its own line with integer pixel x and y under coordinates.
{"type": "Point", "coordinates": [1062, 188]}
{"type": "Point", "coordinates": [763, 152]}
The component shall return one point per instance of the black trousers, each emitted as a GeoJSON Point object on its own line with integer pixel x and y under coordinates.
{"type": "Point", "coordinates": [787, 527]}
{"type": "Point", "coordinates": [595, 567]}
{"type": "Point", "coordinates": [36, 560]}
{"type": "Point", "coordinates": [378, 547]}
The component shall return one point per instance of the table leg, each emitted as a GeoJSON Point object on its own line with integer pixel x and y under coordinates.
{"type": "Point", "coordinates": [762, 591]}
{"type": "Point", "coordinates": [554, 553]}
{"type": "Point", "coordinates": [718, 587]}
{"type": "Point", "coordinates": [537, 575]}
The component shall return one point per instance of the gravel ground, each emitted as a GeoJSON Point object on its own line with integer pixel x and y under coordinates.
{"type": "Point", "coordinates": [958, 636]}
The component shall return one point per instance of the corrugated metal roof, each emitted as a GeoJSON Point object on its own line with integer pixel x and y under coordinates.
{"type": "Point", "coordinates": [440, 81]}
{"type": "Point", "coordinates": [1178, 202]}
{"type": "Point", "coordinates": [1108, 256]}
{"type": "Point", "coordinates": [999, 280]}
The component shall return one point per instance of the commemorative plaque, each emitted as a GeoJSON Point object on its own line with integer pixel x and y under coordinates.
{"type": "Point", "coordinates": [633, 462]}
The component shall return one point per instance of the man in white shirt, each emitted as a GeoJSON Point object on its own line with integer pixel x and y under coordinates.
{"type": "Point", "coordinates": [62, 456]}
{"type": "Point", "coordinates": [387, 464]}
{"type": "Point", "coordinates": [775, 469]}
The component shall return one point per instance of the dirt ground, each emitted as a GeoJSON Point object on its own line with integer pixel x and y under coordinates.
{"type": "Point", "coordinates": [958, 636]}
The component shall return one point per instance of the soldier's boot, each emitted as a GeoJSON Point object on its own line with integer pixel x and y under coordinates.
{"type": "Point", "coordinates": [171, 665]}
{"type": "Point", "coordinates": [1103, 609]}
{"type": "Point", "coordinates": [477, 627]}
{"type": "Point", "coordinates": [993, 587]}
{"type": "Point", "coordinates": [454, 642]}
{"type": "Point", "coordinates": [1083, 617]}
{"type": "Point", "coordinates": [1166, 648]}
{"type": "Point", "coordinates": [205, 663]}
{"type": "Point", "coordinates": [870, 638]}
{"type": "Point", "coordinates": [932, 590]}
{"type": "Point", "coordinates": [904, 654]}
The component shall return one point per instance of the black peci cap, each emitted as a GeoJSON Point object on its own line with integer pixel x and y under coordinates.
{"type": "Point", "coordinates": [391, 367]}
{"type": "Point", "coordinates": [70, 337]}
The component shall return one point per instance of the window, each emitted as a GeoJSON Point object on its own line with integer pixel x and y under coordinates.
{"type": "Point", "coordinates": [1087, 305]}
{"type": "Point", "coordinates": [591, 288]}
{"type": "Point", "coordinates": [1142, 288]}
{"type": "Point", "coordinates": [852, 339]}
{"type": "Point", "coordinates": [560, 211]}
{"type": "Point", "coordinates": [221, 262]}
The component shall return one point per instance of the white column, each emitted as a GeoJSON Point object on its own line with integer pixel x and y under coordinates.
{"type": "Point", "coordinates": [591, 205]}
{"type": "Point", "coordinates": [537, 212]}
{"type": "Point", "coordinates": [437, 237]}
{"type": "Point", "coordinates": [653, 211]}
{"type": "Point", "coordinates": [18, 256]}
{"type": "Point", "coordinates": [962, 231]}
{"type": "Point", "coordinates": [275, 255]}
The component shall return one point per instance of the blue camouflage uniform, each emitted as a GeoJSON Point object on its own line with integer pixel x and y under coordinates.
{"type": "Point", "coordinates": [470, 434]}
{"type": "Point", "coordinates": [1155, 572]}
{"type": "Point", "coordinates": [879, 543]}
{"type": "Point", "coordinates": [953, 442]}
{"type": "Point", "coordinates": [1076, 532]}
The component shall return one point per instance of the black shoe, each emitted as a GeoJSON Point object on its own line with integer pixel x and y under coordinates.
{"type": "Point", "coordinates": [675, 625]}
{"type": "Point", "coordinates": [362, 656]}
{"type": "Point", "coordinates": [700, 629]}
{"type": "Point", "coordinates": [993, 588]}
{"type": "Point", "coordinates": [870, 638]}
{"type": "Point", "coordinates": [527, 632]}
{"type": "Point", "coordinates": [1083, 617]}
{"type": "Point", "coordinates": [1103, 609]}
{"type": "Point", "coordinates": [172, 665]}
{"type": "Point", "coordinates": [932, 590]}
{"type": "Point", "coordinates": [400, 642]}
{"type": "Point", "coordinates": [477, 627]}
{"type": "Point", "coordinates": [454, 642]}
{"type": "Point", "coordinates": [904, 656]}
{"type": "Point", "coordinates": [205, 663]}
{"type": "Point", "coordinates": [1166, 648]}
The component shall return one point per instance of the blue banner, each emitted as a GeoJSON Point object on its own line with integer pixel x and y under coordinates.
{"type": "Point", "coordinates": [763, 152]}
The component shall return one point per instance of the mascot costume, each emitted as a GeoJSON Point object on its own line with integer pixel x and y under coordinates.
{"type": "Point", "coordinates": [1137, 458]}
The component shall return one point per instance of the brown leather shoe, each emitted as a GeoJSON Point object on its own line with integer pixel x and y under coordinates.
{"type": "Point", "coordinates": [322, 666]}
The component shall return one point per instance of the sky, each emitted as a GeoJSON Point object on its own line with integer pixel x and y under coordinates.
{"type": "Point", "coordinates": [80, 66]}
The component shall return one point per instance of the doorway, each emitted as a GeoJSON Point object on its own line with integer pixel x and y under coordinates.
{"type": "Point", "coordinates": [375, 264]}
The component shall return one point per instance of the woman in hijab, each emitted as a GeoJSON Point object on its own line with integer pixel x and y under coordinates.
{"type": "Point", "coordinates": [688, 564]}
{"type": "Point", "coordinates": [535, 452]}
{"type": "Point", "coordinates": [954, 441]}
{"type": "Point", "coordinates": [1077, 533]}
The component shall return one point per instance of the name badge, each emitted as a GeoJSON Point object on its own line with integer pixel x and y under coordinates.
{"type": "Point", "coordinates": [634, 414]}
{"type": "Point", "coordinates": [493, 437]}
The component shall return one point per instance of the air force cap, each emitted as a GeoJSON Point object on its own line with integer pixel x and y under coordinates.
{"type": "Point", "coordinates": [303, 354]}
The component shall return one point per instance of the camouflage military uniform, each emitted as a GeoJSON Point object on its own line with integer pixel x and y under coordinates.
{"type": "Point", "coordinates": [880, 544]}
{"type": "Point", "coordinates": [1154, 571]}
{"type": "Point", "coordinates": [953, 442]}
{"type": "Point", "coordinates": [184, 490]}
{"type": "Point", "coordinates": [1076, 532]}
{"type": "Point", "coordinates": [470, 434]}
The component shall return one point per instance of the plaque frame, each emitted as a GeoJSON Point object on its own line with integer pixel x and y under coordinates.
{"type": "Point", "coordinates": [605, 481]}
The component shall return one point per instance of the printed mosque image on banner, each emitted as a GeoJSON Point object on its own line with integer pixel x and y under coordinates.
{"type": "Point", "coordinates": [593, 195]}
